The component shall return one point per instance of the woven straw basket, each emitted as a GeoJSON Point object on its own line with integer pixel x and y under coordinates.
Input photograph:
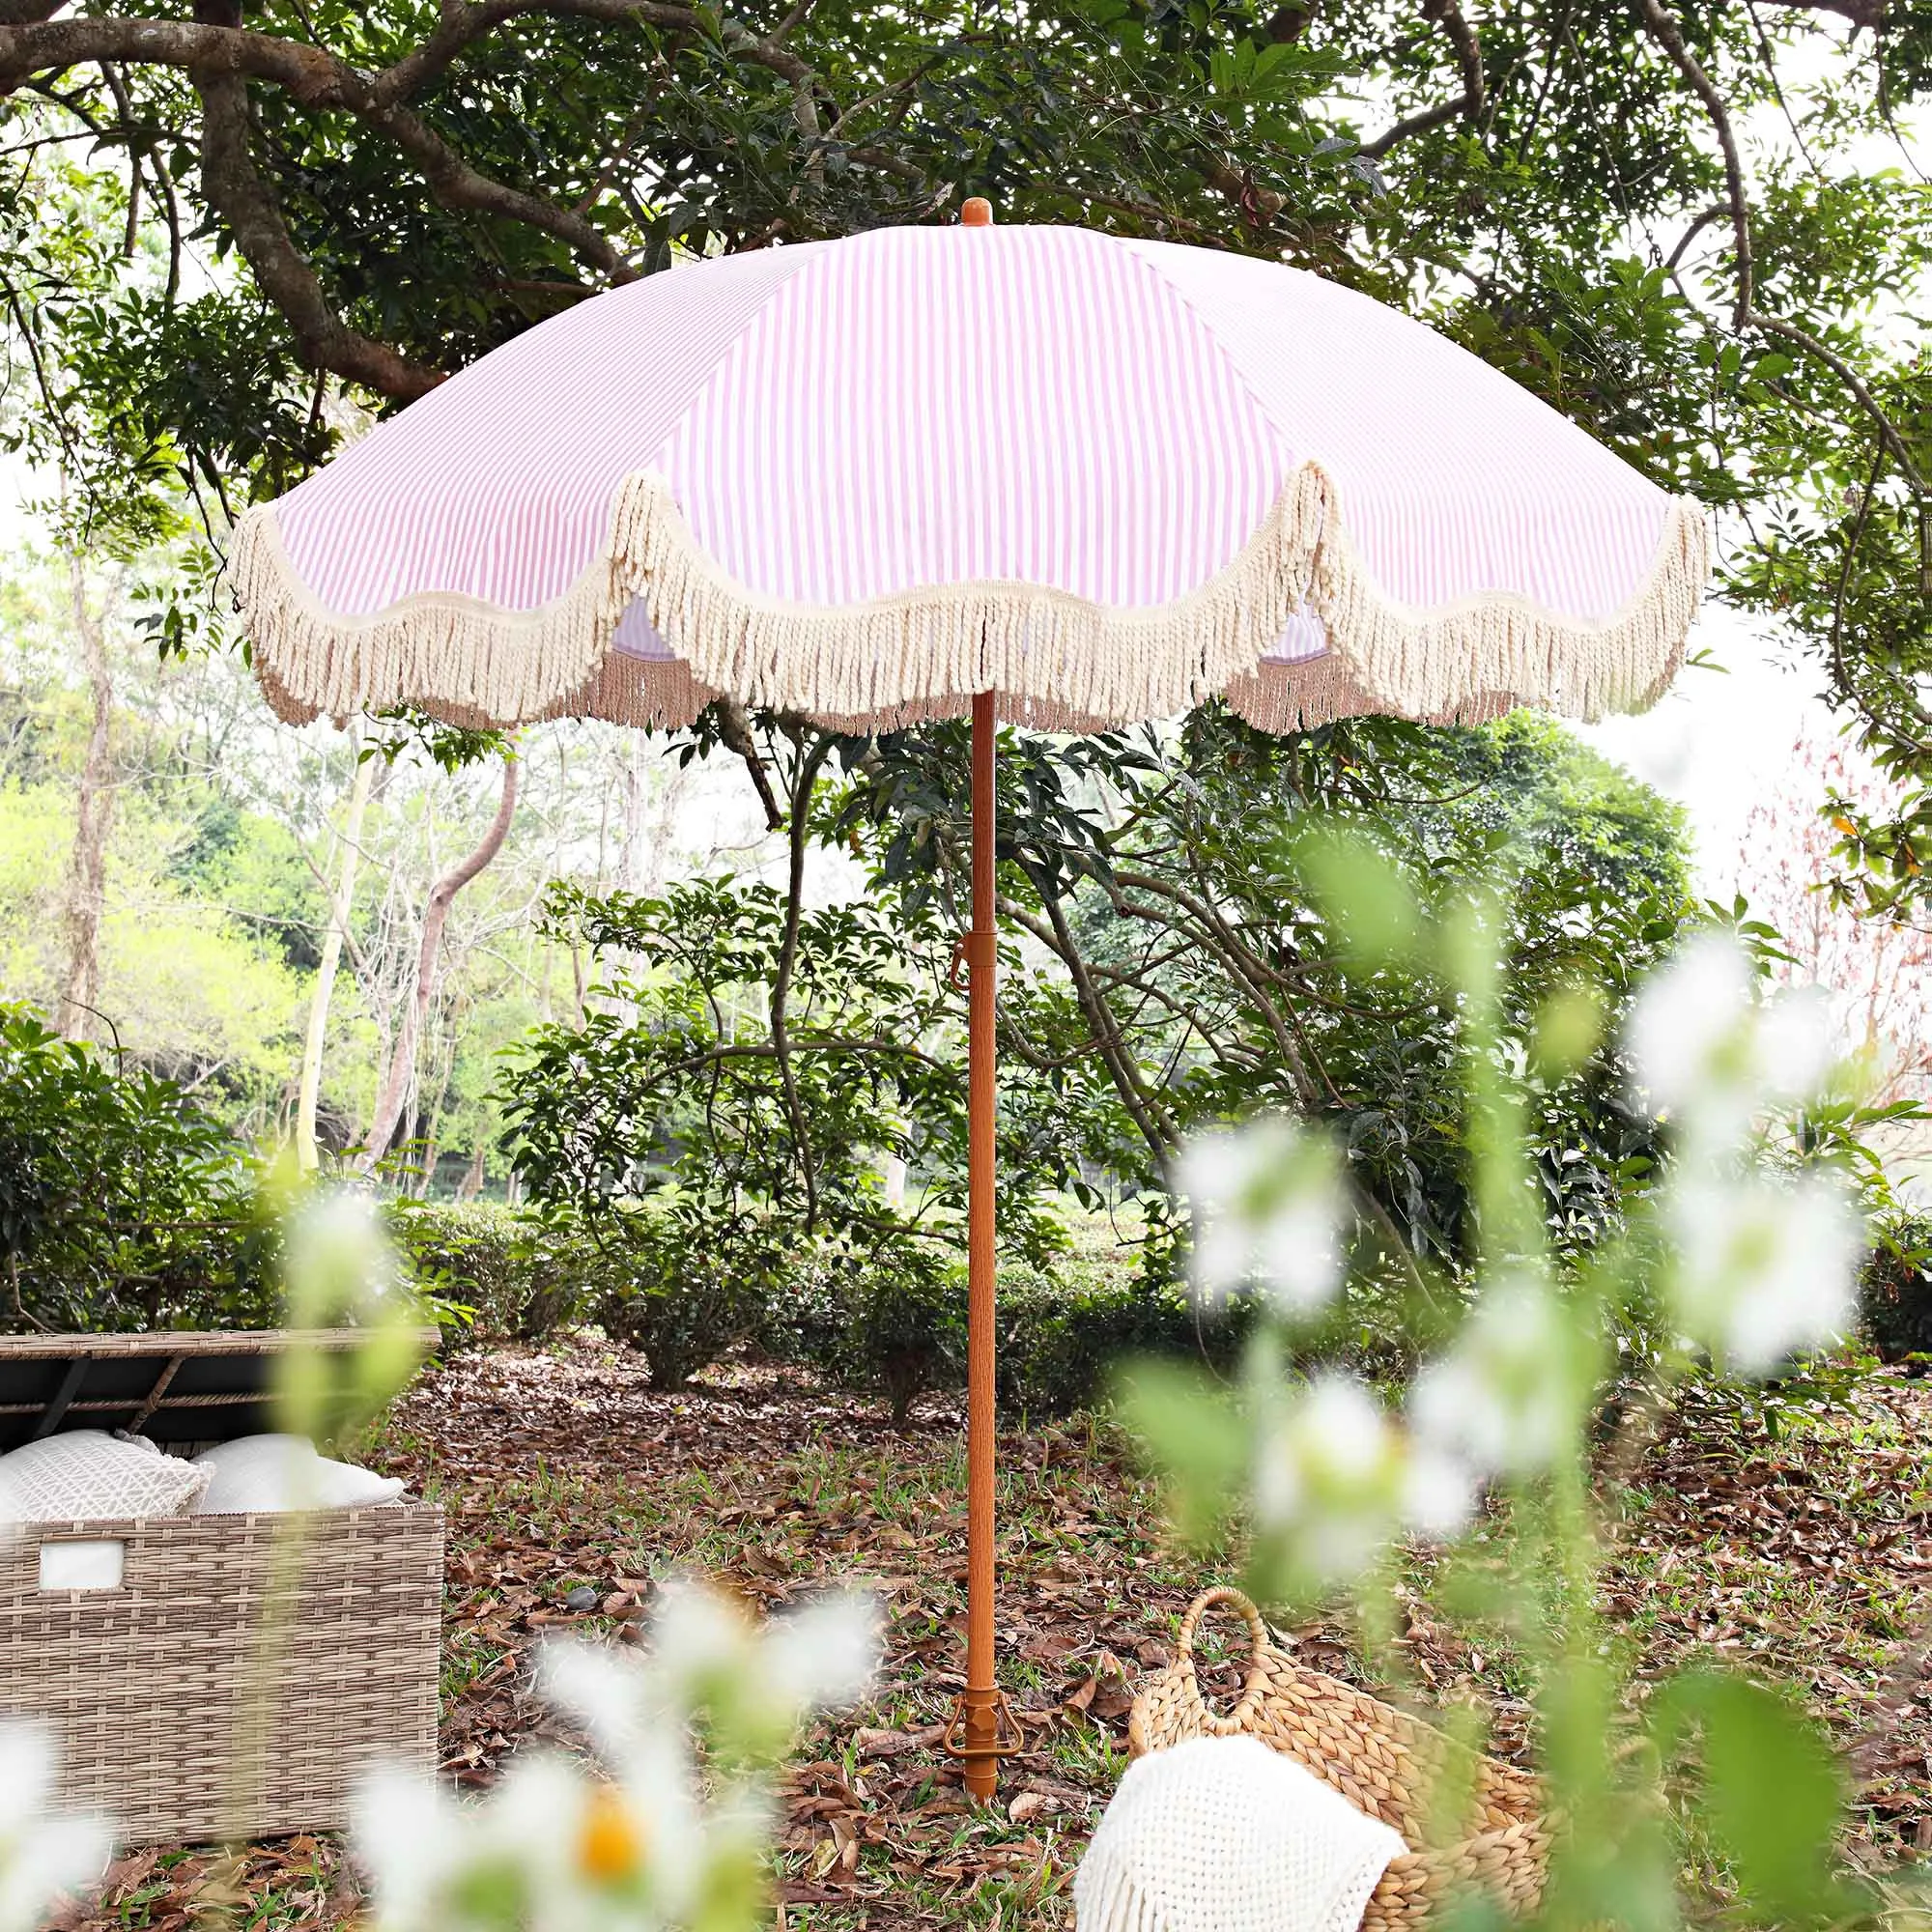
{"type": "Point", "coordinates": [1377, 1758]}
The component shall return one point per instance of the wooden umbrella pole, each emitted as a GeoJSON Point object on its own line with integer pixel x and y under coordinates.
{"type": "Point", "coordinates": [982, 1730]}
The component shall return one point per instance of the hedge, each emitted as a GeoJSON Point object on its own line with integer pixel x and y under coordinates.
{"type": "Point", "coordinates": [890, 1324]}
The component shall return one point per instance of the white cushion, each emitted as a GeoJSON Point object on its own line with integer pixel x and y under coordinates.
{"type": "Point", "coordinates": [264, 1474]}
{"type": "Point", "coordinates": [87, 1476]}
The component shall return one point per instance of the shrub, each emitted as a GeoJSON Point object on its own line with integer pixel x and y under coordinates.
{"type": "Point", "coordinates": [1060, 1341]}
{"type": "Point", "coordinates": [680, 1294]}
{"type": "Point", "coordinates": [888, 1318]}
{"type": "Point", "coordinates": [672, 1283]}
{"type": "Point", "coordinates": [121, 1205]}
{"type": "Point", "coordinates": [893, 1322]}
{"type": "Point", "coordinates": [909, 1332]}
{"type": "Point", "coordinates": [1895, 1291]}
{"type": "Point", "coordinates": [512, 1275]}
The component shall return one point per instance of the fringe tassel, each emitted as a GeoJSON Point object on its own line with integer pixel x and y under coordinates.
{"type": "Point", "coordinates": [1112, 1898]}
{"type": "Point", "coordinates": [923, 651]}
{"type": "Point", "coordinates": [660, 694]}
{"type": "Point", "coordinates": [1318, 691]}
{"type": "Point", "coordinates": [1060, 661]}
{"type": "Point", "coordinates": [466, 661]}
{"type": "Point", "coordinates": [1482, 654]}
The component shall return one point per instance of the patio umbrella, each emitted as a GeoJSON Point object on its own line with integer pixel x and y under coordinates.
{"type": "Point", "coordinates": [1035, 472]}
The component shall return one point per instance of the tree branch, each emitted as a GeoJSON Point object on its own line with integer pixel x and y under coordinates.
{"type": "Point", "coordinates": [1468, 107]}
{"type": "Point", "coordinates": [310, 75]}
{"type": "Point", "coordinates": [1144, 1107]}
{"type": "Point", "coordinates": [436, 916]}
{"type": "Point", "coordinates": [313, 77]}
{"type": "Point", "coordinates": [1888, 430]}
{"type": "Point", "coordinates": [1863, 15]}
{"type": "Point", "coordinates": [237, 192]}
{"type": "Point", "coordinates": [734, 730]}
{"type": "Point", "coordinates": [456, 185]}
{"type": "Point", "coordinates": [1251, 975]}
{"type": "Point", "coordinates": [1663, 31]}
{"type": "Point", "coordinates": [1745, 313]}
{"type": "Point", "coordinates": [1718, 213]}
{"type": "Point", "coordinates": [460, 26]}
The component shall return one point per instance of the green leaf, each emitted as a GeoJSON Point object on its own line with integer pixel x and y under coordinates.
{"type": "Point", "coordinates": [1772, 1790]}
{"type": "Point", "coordinates": [1193, 1436]}
{"type": "Point", "coordinates": [1371, 901]}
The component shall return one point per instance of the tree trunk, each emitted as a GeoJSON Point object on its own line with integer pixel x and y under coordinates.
{"type": "Point", "coordinates": [395, 1085]}
{"type": "Point", "coordinates": [631, 833]}
{"type": "Point", "coordinates": [432, 1135]}
{"type": "Point", "coordinates": [87, 867]}
{"type": "Point", "coordinates": [340, 908]}
{"type": "Point", "coordinates": [471, 1183]}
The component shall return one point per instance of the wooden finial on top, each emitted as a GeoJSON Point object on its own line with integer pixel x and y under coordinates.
{"type": "Point", "coordinates": [977, 212]}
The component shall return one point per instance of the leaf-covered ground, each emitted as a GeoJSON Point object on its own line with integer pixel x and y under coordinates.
{"type": "Point", "coordinates": [570, 1485]}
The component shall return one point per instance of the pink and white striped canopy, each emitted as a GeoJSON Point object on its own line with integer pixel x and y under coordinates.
{"type": "Point", "coordinates": [863, 479]}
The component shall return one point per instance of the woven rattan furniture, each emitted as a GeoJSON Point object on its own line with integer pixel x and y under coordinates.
{"type": "Point", "coordinates": [247, 1671]}
{"type": "Point", "coordinates": [175, 1388]}
{"type": "Point", "coordinates": [1376, 1757]}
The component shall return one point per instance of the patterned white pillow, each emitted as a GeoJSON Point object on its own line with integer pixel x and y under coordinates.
{"type": "Point", "coordinates": [89, 1476]}
{"type": "Point", "coordinates": [266, 1474]}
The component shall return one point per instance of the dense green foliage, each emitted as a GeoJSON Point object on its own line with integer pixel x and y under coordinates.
{"type": "Point", "coordinates": [883, 1319]}
{"type": "Point", "coordinates": [124, 1205]}
{"type": "Point", "coordinates": [757, 1124]}
{"type": "Point", "coordinates": [1895, 1291]}
{"type": "Point", "coordinates": [121, 1205]}
{"type": "Point", "coordinates": [750, 1061]}
{"type": "Point", "coordinates": [494, 1264]}
{"type": "Point", "coordinates": [1698, 230]}
{"type": "Point", "coordinates": [761, 1093]}
{"type": "Point", "coordinates": [1171, 876]}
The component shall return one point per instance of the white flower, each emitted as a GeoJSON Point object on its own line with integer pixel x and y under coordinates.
{"type": "Point", "coordinates": [607, 1694]}
{"type": "Point", "coordinates": [648, 1844]}
{"type": "Point", "coordinates": [411, 1839]}
{"type": "Point", "coordinates": [1794, 1047]}
{"type": "Point", "coordinates": [553, 1848]}
{"type": "Point", "coordinates": [1766, 1265]}
{"type": "Point", "coordinates": [1710, 1054]}
{"type": "Point", "coordinates": [1438, 1492]}
{"type": "Point", "coordinates": [824, 1656]}
{"type": "Point", "coordinates": [572, 1840]}
{"type": "Point", "coordinates": [698, 1634]}
{"type": "Point", "coordinates": [1687, 1008]}
{"type": "Point", "coordinates": [336, 1256]}
{"type": "Point", "coordinates": [1329, 1480]}
{"type": "Point", "coordinates": [1504, 1399]}
{"type": "Point", "coordinates": [1269, 1207]}
{"type": "Point", "coordinates": [41, 1854]}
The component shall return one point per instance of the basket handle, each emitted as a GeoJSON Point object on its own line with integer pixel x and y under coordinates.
{"type": "Point", "coordinates": [1252, 1686]}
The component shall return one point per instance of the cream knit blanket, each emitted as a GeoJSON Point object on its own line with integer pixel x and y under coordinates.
{"type": "Point", "coordinates": [1223, 1834]}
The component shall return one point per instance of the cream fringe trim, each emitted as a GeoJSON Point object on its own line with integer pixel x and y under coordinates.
{"type": "Point", "coordinates": [1060, 661]}
{"type": "Point", "coordinates": [1114, 1900]}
